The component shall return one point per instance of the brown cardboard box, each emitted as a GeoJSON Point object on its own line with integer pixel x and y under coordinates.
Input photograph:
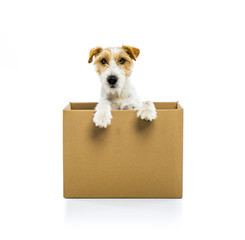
{"type": "Point", "coordinates": [131, 158]}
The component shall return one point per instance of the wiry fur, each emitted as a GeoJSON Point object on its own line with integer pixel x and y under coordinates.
{"type": "Point", "coordinates": [123, 95]}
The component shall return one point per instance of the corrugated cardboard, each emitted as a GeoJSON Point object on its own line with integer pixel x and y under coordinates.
{"type": "Point", "coordinates": [131, 158]}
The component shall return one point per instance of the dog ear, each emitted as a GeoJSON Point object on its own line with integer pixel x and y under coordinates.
{"type": "Point", "coordinates": [94, 52]}
{"type": "Point", "coordinates": [132, 51]}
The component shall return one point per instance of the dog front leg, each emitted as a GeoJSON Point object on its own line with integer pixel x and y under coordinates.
{"type": "Point", "coordinates": [147, 111]}
{"type": "Point", "coordinates": [102, 117]}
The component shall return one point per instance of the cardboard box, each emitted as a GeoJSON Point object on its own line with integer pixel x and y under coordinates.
{"type": "Point", "coordinates": [131, 158]}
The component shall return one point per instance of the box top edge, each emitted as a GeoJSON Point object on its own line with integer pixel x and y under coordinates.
{"type": "Point", "coordinates": [89, 106]}
{"type": "Point", "coordinates": [67, 107]}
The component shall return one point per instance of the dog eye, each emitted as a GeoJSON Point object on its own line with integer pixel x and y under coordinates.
{"type": "Point", "coordinates": [122, 61]}
{"type": "Point", "coordinates": [103, 61]}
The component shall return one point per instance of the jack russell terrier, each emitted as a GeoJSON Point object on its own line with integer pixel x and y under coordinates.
{"type": "Point", "coordinates": [114, 66]}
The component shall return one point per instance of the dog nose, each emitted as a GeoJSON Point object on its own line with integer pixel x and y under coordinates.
{"type": "Point", "coordinates": [112, 79]}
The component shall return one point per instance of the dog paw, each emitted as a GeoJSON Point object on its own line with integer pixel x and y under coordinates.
{"type": "Point", "coordinates": [147, 111]}
{"type": "Point", "coordinates": [102, 119]}
{"type": "Point", "coordinates": [127, 107]}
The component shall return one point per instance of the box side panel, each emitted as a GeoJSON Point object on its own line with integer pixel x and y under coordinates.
{"type": "Point", "coordinates": [83, 106]}
{"type": "Point", "coordinates": [65, 148]}
{"type": "Point", "coordinates": [165, 105]}
{"type": "Point", "coordinates": [179, 147]}
{"type": "Point", "coordinates": [131, 158]}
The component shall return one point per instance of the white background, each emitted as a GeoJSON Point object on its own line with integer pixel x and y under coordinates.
{"type": "Point", "coordinates": [191, 51]}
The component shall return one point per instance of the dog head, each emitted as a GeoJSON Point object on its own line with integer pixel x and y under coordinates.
{"type": "Point", "coordinates": [114, 65]}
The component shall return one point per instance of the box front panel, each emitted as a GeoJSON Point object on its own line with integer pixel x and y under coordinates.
{"type": "Point", "coordinates": [131, 158]}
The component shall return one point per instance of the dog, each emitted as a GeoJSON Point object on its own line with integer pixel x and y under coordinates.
{"type": "Point", "coordinates": [114, 66]}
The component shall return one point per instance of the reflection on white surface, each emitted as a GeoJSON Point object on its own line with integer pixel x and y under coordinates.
{"type": "Point", "coordinates": [124, 211]}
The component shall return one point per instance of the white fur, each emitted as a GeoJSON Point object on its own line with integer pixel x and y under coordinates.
{"type": "Point", "coordinates": [147, 111]}
{"type": "Point", "coordinates": [123, 97]}
{"type": "Point", "coordinates": [102, 117]}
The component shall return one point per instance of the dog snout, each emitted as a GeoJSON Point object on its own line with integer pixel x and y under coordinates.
{"type": "Point", "coordinates": [112, 79]}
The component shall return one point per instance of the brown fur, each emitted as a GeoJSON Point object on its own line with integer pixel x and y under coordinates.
{"type": "Point", "coordinates": [128, 53]}
{"type": "Point", "coordinates": [94, 52]}
{"type": "Point", "coordinates": [132, 51]}
{"type": "Point", "coordinates": [127, 66]}
{"type": "Point", "coordinates": [99, 66]}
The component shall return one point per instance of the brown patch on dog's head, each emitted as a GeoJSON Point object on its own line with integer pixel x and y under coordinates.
{"type": "Point", "coordinates": [93, 52]}
{"type": "Point", "coordinates": [127, 63]}
{"type": "Point", "coordinates": [106, 58]}
{"type": "Point", "coordinates": [105, 54]}
{"type": "Point", "coordinates": [132, 51]}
